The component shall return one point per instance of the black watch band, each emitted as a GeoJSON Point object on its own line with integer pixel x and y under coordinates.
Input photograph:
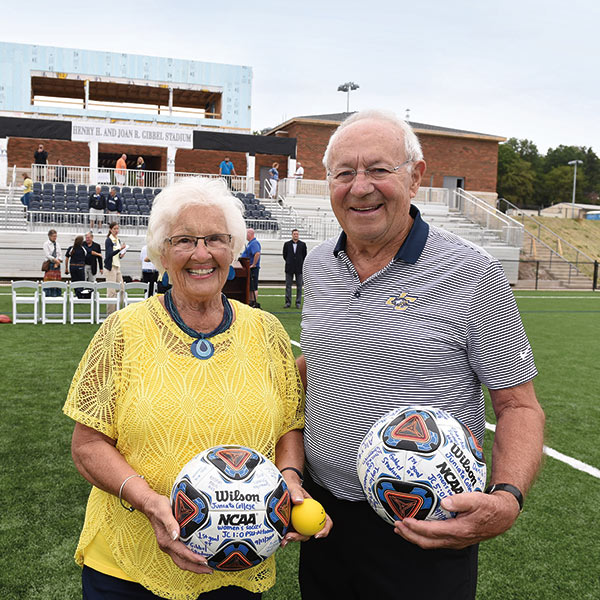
{"type": "Point", "coordinates": [297, 471]}
{"type": "Point", "coordinates": [506, 487]}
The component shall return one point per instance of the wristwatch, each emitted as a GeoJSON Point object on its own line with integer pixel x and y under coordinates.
{"type": "Point", "coordinates": [506, 487]}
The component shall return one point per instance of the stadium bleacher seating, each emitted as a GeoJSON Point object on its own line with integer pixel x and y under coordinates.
{"type": "Point", "coordinates": [67, 200]}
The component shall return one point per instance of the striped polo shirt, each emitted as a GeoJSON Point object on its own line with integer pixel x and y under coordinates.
{"type": "Point", "coordinates": [428, 329]}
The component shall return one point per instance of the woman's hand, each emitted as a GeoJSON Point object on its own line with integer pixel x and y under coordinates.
{"type": "Point", "coordinates": [297, 495]}
{"type": "Point", "coordinates": [158, 510]}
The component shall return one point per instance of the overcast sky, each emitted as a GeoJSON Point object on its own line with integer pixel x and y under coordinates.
{"type": "Point", "coordinates": [526, 69]}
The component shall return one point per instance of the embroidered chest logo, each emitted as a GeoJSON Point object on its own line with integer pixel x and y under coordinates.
{"type": "Point", "coordinates": [401, 302]}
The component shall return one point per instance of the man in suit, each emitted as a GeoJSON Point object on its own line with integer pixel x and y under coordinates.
{"type": "Point", "coordinates": [294, 253]}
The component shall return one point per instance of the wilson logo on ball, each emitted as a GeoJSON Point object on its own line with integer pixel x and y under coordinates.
{"type": "Point", "coordinates": [412, 458]}
{"type": "Point", "coordinates": [232, 505]}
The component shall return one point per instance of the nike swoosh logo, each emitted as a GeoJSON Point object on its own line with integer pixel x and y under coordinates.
{"type": "Point", "coordinates": [524, 354]}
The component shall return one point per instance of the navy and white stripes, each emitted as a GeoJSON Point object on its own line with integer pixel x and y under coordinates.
{"type": "Point", "coordinates": [427, 333]}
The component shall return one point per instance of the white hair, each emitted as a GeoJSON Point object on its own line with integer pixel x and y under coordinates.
{"type": "Point", "coordinates": [193, 191]}
{"type": "Point", "coordinates": [412, 146]}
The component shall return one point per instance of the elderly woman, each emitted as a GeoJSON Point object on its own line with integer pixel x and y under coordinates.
{"type": "Point", "coordinates": [165, 379]}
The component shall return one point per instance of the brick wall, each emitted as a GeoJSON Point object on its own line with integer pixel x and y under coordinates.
{"type": "Point", "coordinates": [473, 159]}
{"type": "Point", "coordinates": [21, 150]}
{"type": "Point", "coordinates": [208, 161]}
{"type": "Point", "coordinates": [312, 141]}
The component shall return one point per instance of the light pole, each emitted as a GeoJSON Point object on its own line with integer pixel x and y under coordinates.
{"type": "Point", "coordinates": [347, 87]}
{"type": "Point", "coordinates": [574, 163]}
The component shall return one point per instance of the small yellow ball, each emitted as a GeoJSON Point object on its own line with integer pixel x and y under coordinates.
{"type": "Point", "coordinates": [308, 517]}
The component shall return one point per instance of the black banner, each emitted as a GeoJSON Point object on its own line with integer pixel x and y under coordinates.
{"type": "Point", "coordinates": [238, 142]}
{"type": "Point", "coordinates": [35, 128]}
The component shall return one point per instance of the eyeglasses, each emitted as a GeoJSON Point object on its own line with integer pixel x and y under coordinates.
{"type": "Point", "coordinates": [372, 173]}
{"type": "Point", "coordinates": [187, 243]}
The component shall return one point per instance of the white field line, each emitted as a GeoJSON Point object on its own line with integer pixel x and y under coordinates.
{"type": "Point", "coordinates": [562, 297]}
{"type": "Point", "coordinates": [572, 462]}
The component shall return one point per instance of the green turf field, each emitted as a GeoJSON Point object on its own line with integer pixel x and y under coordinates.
{"type": "Point", "coordinates": [552, 553]}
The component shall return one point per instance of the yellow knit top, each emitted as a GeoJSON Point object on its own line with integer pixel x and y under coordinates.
{"type": "Point", "coordinates": [139, 384]}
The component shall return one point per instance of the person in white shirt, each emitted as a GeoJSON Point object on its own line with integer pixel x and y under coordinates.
{"type": "Point", "coordinates": [149, 271]}
{"type": "Point", "coordinates": [53, 253]}
{"type": "Point", "coordinates": [299, 174]}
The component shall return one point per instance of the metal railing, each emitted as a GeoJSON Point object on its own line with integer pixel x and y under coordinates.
{"type": "Point", "coordinates": [128, 177]}
{"type": "Point", "coordinates": [540, 234]}
{"type": "Point", "coordinates": [474, 209]}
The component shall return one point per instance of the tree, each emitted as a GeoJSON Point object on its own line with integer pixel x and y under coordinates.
{"type": "Point", "coordinates": [558, 185]}
{"type": "Point", "coordinates": [516, 177]}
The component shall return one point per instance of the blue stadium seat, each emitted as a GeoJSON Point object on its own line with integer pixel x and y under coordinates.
{"type": "Point", "coordinates": [70, 187]}
{"type": "Point", "coordinates": [59, 187]}
{"type": "Point", "coordinates": [48, 186]}
{"type": "Point", "coordinates": [157, 191]}
{"type": "Point", "coordinates": [82, 188]}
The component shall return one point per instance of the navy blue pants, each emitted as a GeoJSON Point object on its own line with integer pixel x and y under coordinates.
{"type": "Point", "coordinates": [98, 586]}
{"type": "Point", "coordinates": [362, 559]}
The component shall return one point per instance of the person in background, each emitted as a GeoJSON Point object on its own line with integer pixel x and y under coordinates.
{"type": "Point", "coordinates": [75, 257]}
{"type": "Point", "coordinates": [97, 206]}
{"type": "Point", "coordinates": [121, 170]}
{"type": "Point", "coordinates": [294, 253]}
{"type": "Point", "coordinates": [40, 159]}
{"type": "Point", "coordinates": [149, 394]}
{"type": "Point", "coordinates": [60, 173]}
{"type": "Point", "coordinates": [140, 167]}
{"type": "Point", "coordinates": [252, 252]}
{"type": "Point", "coordinates": [113, 252]}
{"type": "Point", "coordinates": [226, 170]}
{"type": "Point", "coordinates": [273, 179]}
{"type": "Point", "coordinates": [93, 257]}
{"type": "Point", "coordinates": [398, 312]}
{"type": "Point", "coordinates": [299, 174]}
{"type": "Point", "coordinates": [53, 253]}
{"type": "Point", "coordinates": [28, 191]}
{"type": "Point", "coordinates": [114, 205]}
{"type": "Point", "coordinates": [149, 271]}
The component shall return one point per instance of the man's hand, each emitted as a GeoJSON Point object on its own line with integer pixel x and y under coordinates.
{"type": "Point", "coordinates": [480, 517]}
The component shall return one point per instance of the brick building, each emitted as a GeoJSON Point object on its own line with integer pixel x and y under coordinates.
{"type": "Point", "coordinates": [455, 158]}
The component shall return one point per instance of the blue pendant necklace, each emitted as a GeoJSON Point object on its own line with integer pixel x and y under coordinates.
{"type": "Point", "coordinates": [202, 347]}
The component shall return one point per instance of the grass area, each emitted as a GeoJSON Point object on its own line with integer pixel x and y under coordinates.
{"type": "Point", "coordinates": [583, 234]}
{"type": "Point", "coordinates": [552, 552]}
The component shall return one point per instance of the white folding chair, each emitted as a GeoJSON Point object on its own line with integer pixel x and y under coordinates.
{"type": "Point", "coordinates": [100, 299]}
{"type": "Point", "coordinates": [88, 300]}
{"type": "Point", "coordinates": [28, 294]}
{"type": "Point", "coordinates": [54, 317]}
{"type": "Point", "coordinates": [132, 286]}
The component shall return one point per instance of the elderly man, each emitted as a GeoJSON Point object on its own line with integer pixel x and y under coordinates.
{"type": "Point", "coordinates": [114, 205]}
{"type": "Point", "coordinates": [93, 257]}
{"type": "Point", "coordinates": [397, 312]}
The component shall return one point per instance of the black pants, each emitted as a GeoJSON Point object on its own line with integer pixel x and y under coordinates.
{"type": "Point", "coordinates": [289, 278]}
{"type": "Point", "coordinates": [98, 586]}
{"type": "Point", "coordinates": [363, 559]}
{"type": "Point", "coordinates": [150, 277]}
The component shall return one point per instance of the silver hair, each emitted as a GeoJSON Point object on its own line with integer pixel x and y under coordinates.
{"type": "Point", "coordinates": [193, 191]}
{"type": "Point", "coordinates": [412, 146]}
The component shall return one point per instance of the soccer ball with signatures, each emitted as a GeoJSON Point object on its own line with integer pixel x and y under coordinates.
{"type": "Point", "coordinates": [412, 458]}
{"type": "Point", "coordinates": [232, 506]}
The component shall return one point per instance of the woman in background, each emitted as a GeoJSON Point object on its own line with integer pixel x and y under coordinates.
{"type": "Point", "coordinates": [140, 167]}
{"type": "Point", "coordinates": [75, 255]}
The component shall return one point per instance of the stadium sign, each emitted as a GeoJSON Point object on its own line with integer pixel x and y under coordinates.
{"type": "Point", "coordinates": [128, 133]}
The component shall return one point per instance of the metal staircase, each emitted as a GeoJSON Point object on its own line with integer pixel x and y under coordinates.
{"type": "Point", "coordinates": [547, 258]}
{"type": "Point", "coordinates": [12, 212]}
